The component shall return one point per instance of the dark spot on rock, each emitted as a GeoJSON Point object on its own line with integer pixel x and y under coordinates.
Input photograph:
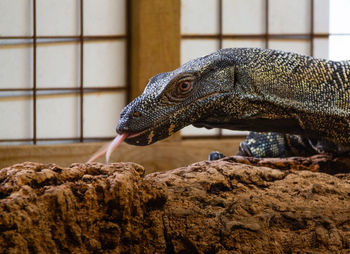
{"type": "Point", "coordinates": [188, 246]}
{"type": "Point", "coordinates": [48, 181]}
{"type": "Point", "coordinates": [72, 237]}
{"type": "Point", "coordinates": [56, 169]}
{"type": "Point", "coordinates": [100, 194]}
{"type": "Point", "coordinates": [156, 203]}
{"type": "Point", "coordinates": [78, 191]}
{"type": "Point", "coordinates": [216, 188]}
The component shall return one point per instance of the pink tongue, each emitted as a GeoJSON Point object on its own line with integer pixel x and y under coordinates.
{"type": "Point", "coordinates": [114, 144]}
{"type": "Point", "coordinates": [108, 148]}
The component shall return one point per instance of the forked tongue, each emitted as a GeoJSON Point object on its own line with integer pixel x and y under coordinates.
{"type": "Point", "coordinates": [108, 148]}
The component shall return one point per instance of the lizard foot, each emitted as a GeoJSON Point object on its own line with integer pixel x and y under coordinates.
{"type": "Point", "coordinates": [215, 155]}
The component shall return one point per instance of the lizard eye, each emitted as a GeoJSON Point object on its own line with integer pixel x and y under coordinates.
{"type": "Point", "coordinates": [180, 89]}
{"type": "Point", "coordinates": [185, 86]}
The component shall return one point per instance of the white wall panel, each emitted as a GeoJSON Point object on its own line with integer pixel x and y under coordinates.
{"type": "Point", "coordinates": [288, 17]}
{"type": "Point", "coordinates": [191, 49]}
{"type": "Point", "coordinates": [16, 66]}
{"type": "Point", "coordinates": [105, 63]}
{"type": "Point", "coordinates": [58, 116]}
{"type": "Point", "coordinates": [58, 65]}
{"type": "Point", "coordinates": [193, 131]}
{"type": "Point", "coordinates": [321, 48]}
{"type": "Point", "coordinates": [321, 16]}
{"type": "Point", "coordinates": [243, 43]}
{"type": "Point", "coordinates": [16, 114]}
{"type": "Point", "coordinates": [243, 17]}
{"type": "Point", "coordinates": [104, 17]}
{"type": "Point", "coordinates": [58, 17]}
{"type": "Point", "coordinates": [339, 48]}
{"type": "Point", "coordinates": [16, 17]}
{"type": "Point", "coordinates": [199, 16]}
{"type": "Point", "coordinates": [296, 46]}
{"type": "Point", "coordinates": [102, 112]}
{"type": "Point", "coordinates": [339, 16]}
{"type": "Point", "coordinates": [235, 133]}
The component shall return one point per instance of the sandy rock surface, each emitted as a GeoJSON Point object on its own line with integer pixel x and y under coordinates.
{"type": "Point", "coordinates": [207, 207]}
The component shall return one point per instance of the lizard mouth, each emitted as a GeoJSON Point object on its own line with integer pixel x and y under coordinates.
{"type": "Point", "coordinates": [134, 135]}
{"type": "Point", "coordinates": [158, 131]}
{"type": "Point", "coordinates": [158, 126]}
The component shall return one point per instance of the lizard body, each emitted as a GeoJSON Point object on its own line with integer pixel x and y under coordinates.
{"type": "Point", "coordinates": [246, 89]}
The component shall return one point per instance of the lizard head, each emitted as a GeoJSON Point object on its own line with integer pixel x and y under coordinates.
{"type": "Point", "coordinates": [173, 100]}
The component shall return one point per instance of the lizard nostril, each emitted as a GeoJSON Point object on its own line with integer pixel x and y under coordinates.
{"type": "Point", "coordinates": [136, 114]}
{"type": "Point", "coordinates": [122, 129]}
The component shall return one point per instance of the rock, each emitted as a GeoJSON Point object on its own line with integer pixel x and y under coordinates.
{"type": "Point", "coordinates": [207, 207]}
{"type": "Point", "coordinates": [326, 163]}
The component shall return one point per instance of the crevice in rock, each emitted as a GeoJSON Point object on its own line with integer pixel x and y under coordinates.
{"type": "Point", "coordinates": [169, 247]}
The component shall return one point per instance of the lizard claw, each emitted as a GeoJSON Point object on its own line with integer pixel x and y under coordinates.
{"type": "Point", "coordinates": [215, 155]}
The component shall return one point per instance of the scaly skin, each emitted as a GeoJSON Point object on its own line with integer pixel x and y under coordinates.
{"type": "Point", "coordinates": [246, 89]}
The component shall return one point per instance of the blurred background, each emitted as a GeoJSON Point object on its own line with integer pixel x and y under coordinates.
{"type": "Point", "coordinates": [68, 67]}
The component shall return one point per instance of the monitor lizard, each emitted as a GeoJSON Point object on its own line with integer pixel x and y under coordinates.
{"type": "Point", "coordinates": [300, 101]}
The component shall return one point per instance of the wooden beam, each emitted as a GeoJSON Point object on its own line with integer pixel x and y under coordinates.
{"type": "Point", "coordinates": [155, 40]}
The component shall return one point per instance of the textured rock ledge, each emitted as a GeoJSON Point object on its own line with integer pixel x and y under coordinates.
{"type": "Point", "coordinates": [207, 207]}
